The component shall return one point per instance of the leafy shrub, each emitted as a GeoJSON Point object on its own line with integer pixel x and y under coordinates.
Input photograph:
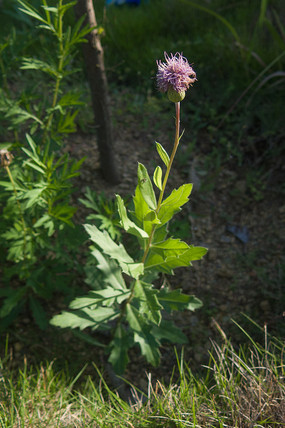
{"type": "Point", "coordinates": [37, 188]}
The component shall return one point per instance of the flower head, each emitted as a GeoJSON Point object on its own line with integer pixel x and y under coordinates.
{"type": "Point", "coordinates": [175, 76]}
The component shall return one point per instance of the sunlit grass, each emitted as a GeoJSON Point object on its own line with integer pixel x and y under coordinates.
{"type": "Point", "coordinates": [240, 388]}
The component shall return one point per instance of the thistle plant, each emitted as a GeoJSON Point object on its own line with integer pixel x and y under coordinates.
{"type": "Point", "coordinates": [129, 295]}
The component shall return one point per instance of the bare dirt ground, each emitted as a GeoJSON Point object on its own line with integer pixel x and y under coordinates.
{"type": "Point", "coordinates": [243, 271]}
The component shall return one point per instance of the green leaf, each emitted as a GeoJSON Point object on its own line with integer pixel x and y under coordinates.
{"type": "Point", "coordinates": [42, 220]}
{"type": "Point", "coordinates": [33, 196]}
{"type": "Point", "coordinates": [157, 177]}
{"type": "Point", "coordinates": [29, 10]}
{"type": "Point", "coordinates": [194, 303]}
{"type": "Point", "coordinates": [148, 302]}
{"type": "Point", "coordinates": [70, 99]}
{"type": "Point", "coordinates": [126, 223]}
{"type": "Point", "coordinates": [38, 313]}
{"type": "Point", "coordinates": [168, 331]}
{"type": "Point", "coordinates": [110, 269]}
{"type": "Point", "coordinates": [170, 247]}
{"type": "Point", "coordinates": [37, 64]}
{"type": "Point", "coordinates": [85, 318]}
{"type": "Point", "coordinates": [172, 204]}
{"type": "Point", "coordinates": [173, 253]}
{"type": "Point", "coordinates": [145, 186]}
{"type": "Point", "coordinates": [66, 122]}
{"type": "Point", "coordinates": [87, 338]}
{"type": "Point", "coordinates": [148, 343]}
{"type": "Point", "coordinates": [16, 297]}
{"type": "Point", "coordinates": [115, 251]}
{"type": "Point", "coordinates": [160, 234]}
{"type": "Point", "coordinates": [119, 350]}
{"type": "Point", "coordinates": [144, 215]}
{"type": "Point", "coordinates": [62, 10]}
{"type": "Point", "coordinates": [177, 301]}
{"type": "Point", "coordinates": [105, 297]}
{"type": "Point", "coordinates": [162, 153]}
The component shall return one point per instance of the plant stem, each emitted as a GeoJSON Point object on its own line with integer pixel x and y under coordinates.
{"type": "Point", "coordinates": [59, 69]}
{"type": "Point", "coordinates": [176, 143]}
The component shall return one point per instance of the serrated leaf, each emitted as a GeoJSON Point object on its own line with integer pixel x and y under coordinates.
{"type": "Point", "coordinates": [157, 177]}
{"type": "Point", "coordinates": [172, 204]}
{"type": "Point", "coordinates": [176, 301]}
{"type": "Point", "coordinates": [170, 246]}
{"type": "Point", "coordinates": [85, 318]}
{"type": "Point", "coordinates": [115, 251]}
{"type": "Point", "coordinates": [105, 297]}
{"type": "Point", "coordinates": [194, 303]}
{"type": "Point", "coordinates": [148, 343]}
{"type": "Point", "coordinates": [168, 331]}
{"type": "Point", "coordinates": [146, 188]}
{"type": "Point", "coordinates": [111, 271]}
{"type": "Point", "coordinates": [148, 302]}
{"type": "Point", "coordinates": [165, 263]}
{"type": "Point", "coordinates": [162, 153]}
{"type": "Point", "coordinates": [106, 243]}
{"type": "Point", "coordinates": [126, 223]}
{"type": "Point", "coordinates": [119, 350]}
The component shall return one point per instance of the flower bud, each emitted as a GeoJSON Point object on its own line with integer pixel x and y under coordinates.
{"type": "Point", "coordinates": [175, 96]}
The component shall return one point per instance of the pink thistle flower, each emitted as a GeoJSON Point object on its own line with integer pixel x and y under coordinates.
{"type": "Point", "coordinates": [174, 76]}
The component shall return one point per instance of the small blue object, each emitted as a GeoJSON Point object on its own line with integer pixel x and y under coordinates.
{"type": "Point", "coordinates": [119, 2]}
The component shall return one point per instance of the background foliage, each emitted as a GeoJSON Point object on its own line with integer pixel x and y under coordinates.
{"type": "Point", "coordinates": [236, 120]}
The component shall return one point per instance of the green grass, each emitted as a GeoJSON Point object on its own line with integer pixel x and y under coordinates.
{"type": "Point", "coordinates": [239, 388]}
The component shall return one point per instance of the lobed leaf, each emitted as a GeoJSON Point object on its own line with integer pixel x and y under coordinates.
{"type": "Point", "coordinates": [176, 301]}
{"type": "Point", "coordinates": [166, 263]}
{"type": "Point", "coordinates": [168, 331]}
{"type": "Point", "coordinates": [145, 216]}
{"type": "Point", "coordinates": [110, 269]}
{"type": "Point", "coordinates": [148, 343]}
{"type": "Point", "coordinates": [106, 297]}
{"type": "Point", "coordinates": [175, 200]}
{"type": "Point", "coordinates": [115, 251]}
{"type": "Point", "coordinates": [85, 318]}
{"type": "Point", "coordinates": [148, 303]}
{"type": "Point", "coordinates": [126, 223]}
{"type": "Point", "coordinates": [119, 350]}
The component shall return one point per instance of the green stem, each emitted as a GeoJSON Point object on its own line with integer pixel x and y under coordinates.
{"type": "Point", "coordinates": [176, 143]}
{"type": "Point", "coordinates": [19, 207]}
{"type": "Point", "coordinates": [59, 70]}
